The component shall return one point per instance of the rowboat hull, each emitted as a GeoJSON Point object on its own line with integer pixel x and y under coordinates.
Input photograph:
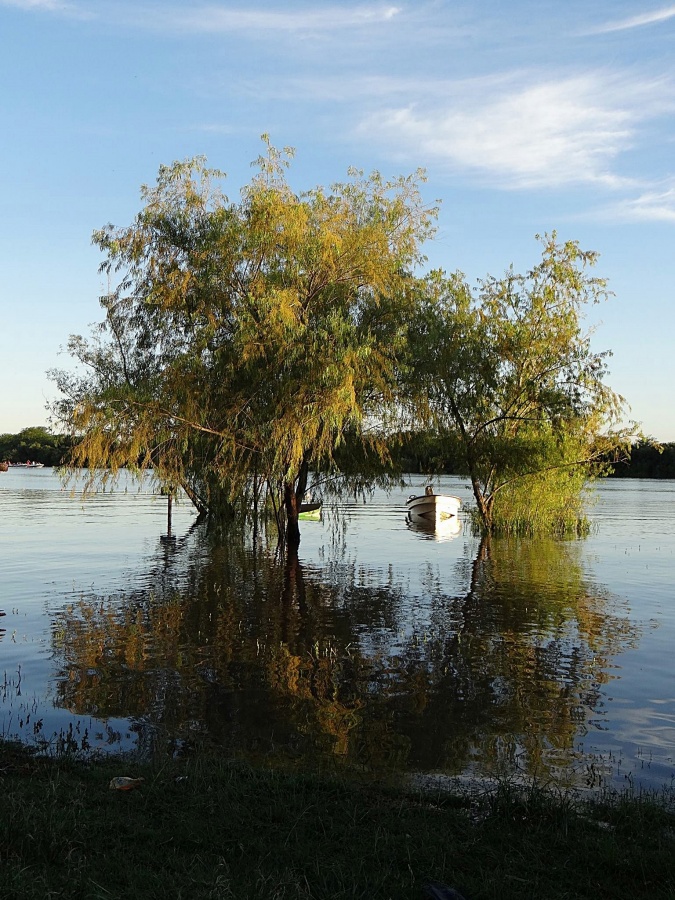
{"type": "Point", "coordinates": [310, 511]}
{"type": "Point", "coordinates": [430, 507]}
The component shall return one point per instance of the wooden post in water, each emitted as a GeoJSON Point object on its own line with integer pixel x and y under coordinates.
{"type": "Point", "coordinates": [168, 513]}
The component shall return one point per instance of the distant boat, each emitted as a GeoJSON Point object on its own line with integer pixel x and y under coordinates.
{"type": "Point", "coordinates": [429, 506]}
{"type": "Point", "coordinates": [310, 510]}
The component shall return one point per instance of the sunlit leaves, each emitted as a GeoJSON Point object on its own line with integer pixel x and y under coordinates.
{"type": "Point", "coordinates": [243, 338]}
{"type": "Point", "coordinates": [510, 367]}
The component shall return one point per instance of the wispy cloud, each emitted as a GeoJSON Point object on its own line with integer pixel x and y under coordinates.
{"type": "Point", "coordinates": [649, 18]}
{"type": "Point", "coordinates": [651, 206]}
{"type": "Point", "coordinates": [528, 135]}
{"type": "Point", "coordinates": [215, 19]}
{"type": "Point", "coordinates": [246, 19]}
{"type": "Point", "coordinates": [31, 5]}
{"type": "Point", "coordinates": [225, 19]}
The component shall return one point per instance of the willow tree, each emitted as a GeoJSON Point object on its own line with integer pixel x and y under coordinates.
{"type": "Point", "coordinates": [509, 373]}
{"type": "Point", "coordinates": [242, 339]}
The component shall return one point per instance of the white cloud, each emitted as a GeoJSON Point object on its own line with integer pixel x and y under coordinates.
{"type": "Point", "coordinates": [650, 18]}
{"type": "Point", "coordinates": [528, 135]}
{"type": "Point", "coordinates": [61, 8]}
{"type": "Point", "coordinates": [48, 5]}
{"type": "Point", "coordinates": [231, 19]}
{"type": "Point", "coordinates": [651, 206]}
{"type": "Point", "coordinates": [223, 18]}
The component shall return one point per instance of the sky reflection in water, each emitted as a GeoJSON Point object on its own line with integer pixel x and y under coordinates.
{"type": "Point", "coordinates": [382, 647]}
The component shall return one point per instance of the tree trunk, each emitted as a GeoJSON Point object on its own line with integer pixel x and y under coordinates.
{"type": "Point", "coordinates": [196, 500]}
{"type": "Point", "coordinates": [292, 508]}
{"type": "Point", "coordinates": [294, 493]}
{"type": "Point", "coordinates": [484, 506]}
{"type": "Point", "coordinates": [301, 484]}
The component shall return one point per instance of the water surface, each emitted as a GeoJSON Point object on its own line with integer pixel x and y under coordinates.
{"type": "Point", "coordinates": [384, 647]}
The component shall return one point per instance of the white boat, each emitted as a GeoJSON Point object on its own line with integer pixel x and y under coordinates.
{"type": "Point", "coordinates": [428, 507]}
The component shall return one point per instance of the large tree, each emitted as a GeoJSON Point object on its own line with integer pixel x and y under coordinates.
{"type": "Point", "coordinates": [508, 372]}
{"type": "Point", "coordinates": [242, 339]}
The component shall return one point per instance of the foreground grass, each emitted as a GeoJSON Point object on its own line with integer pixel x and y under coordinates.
{"type": "Point", "coordinates": [208, 828]}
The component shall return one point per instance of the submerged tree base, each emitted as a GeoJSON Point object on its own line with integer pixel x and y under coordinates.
{"type": "Point", "coordinates": [525, 526]}
{"type": "Point", "coordinates": [205, 827]}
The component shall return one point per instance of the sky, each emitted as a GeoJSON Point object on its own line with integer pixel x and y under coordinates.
{"type": "Point", "coordinates": [528, 117]}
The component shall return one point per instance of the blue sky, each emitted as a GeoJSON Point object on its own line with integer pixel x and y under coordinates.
{"type": "Point", "coordinates": [528, 116]}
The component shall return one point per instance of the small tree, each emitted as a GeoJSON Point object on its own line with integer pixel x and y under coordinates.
{"type": "Point", "coordinates": [244, 338]}
{"type": "Point", "coordinates": [510, 371]}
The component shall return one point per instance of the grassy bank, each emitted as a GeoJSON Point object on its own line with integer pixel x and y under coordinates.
{"type": "Point", "coordinates": [208, 828]}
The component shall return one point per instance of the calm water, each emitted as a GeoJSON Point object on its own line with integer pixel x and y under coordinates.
{"type": "Point", "coordinates": [385, 648]}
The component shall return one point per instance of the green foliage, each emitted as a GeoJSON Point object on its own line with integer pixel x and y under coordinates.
{"type": "Point", "coordinates": [509, 369]}
{"type": "Point", "coordinates": [245, 338]}
{"type": "Point", "coordinates": [248, 342]}
{"type": "Point", "coordinates": [548, 501]}
{"type": "Point", "coordinates": [429, 452]}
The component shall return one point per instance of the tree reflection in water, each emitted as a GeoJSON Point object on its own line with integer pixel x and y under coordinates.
{"type": "Point", "coordinates": [226, 645]}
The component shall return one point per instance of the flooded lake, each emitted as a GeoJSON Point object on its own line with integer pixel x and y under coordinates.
{"type": "Point", "coordinates": [384, 648]}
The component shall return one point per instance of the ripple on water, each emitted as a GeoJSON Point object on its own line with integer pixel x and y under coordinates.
{"type": "Point", "coordinates": [385, 646]}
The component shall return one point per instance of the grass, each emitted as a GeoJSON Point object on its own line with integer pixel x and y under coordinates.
{"type": "Point", "coordinates": [205, 827]}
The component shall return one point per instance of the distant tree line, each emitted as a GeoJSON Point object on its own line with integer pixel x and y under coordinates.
{"type": "Point", "coordinates": [419, 453]}
{"type": "Point", "coordinates": [37, 444]}
{"type": "Point", "coordinates": [426, 453]}
{"type": "Point", "coordinates": [647, 460]}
